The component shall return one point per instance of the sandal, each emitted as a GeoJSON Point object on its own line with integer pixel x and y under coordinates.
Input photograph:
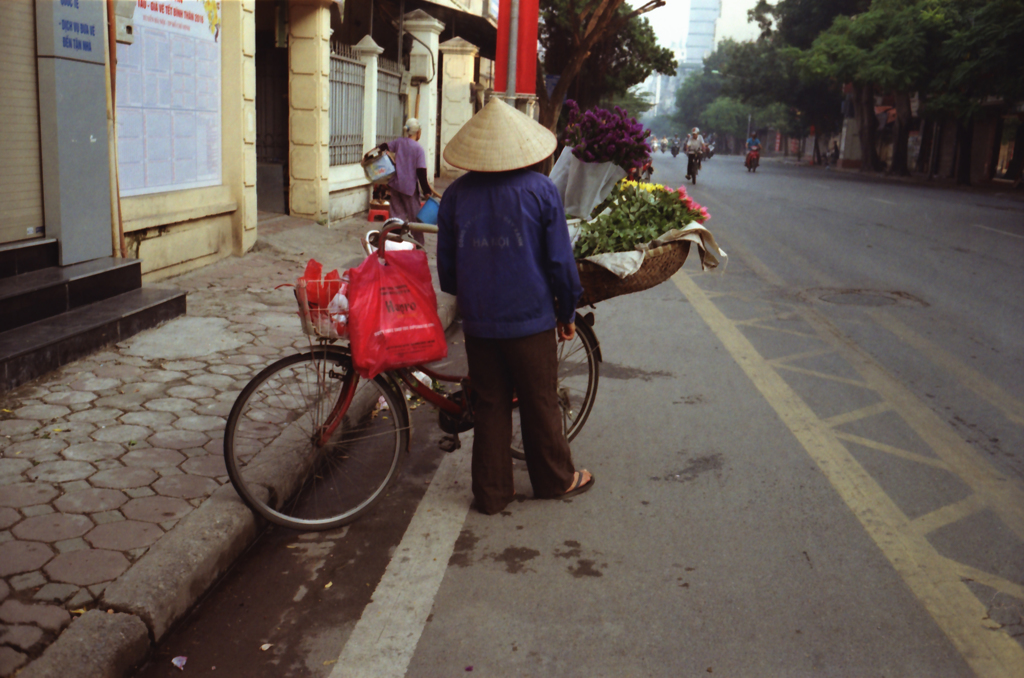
{"type": "Point", "coordinates": [578, 486]}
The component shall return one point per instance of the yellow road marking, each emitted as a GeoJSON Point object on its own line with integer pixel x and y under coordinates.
{"type": "Point", "coordinates": [988, 579]}
{"type": "Point", "coordinates": [803, 355]}
{"type": "Point", "coordinates": [994, 394]}
{"type": "Point", "coordinates": [780, 330]}
{"type": "Point", "coordinates": [822, 375]}
{"type": "Point", "coordinates": [892, 451]}
{"type": "Point", "coordinates": [999, 230]}
{"type": "Point", "coordinates": [858, 414]}
{"type": "Point", "coordinates": [768, 318]}
{"type": "Point", "coordinates": [933, 579]}
{"type": "Point", "coordinates": [1004, 496]}
{"type": "Point", "coordinates": [947, 515]}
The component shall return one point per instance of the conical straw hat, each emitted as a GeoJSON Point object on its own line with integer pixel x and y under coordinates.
{"type": "Point", "coordinates": [498, 139]}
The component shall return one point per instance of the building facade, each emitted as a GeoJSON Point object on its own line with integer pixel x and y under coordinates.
{"type": "Point", "coordinates": [168, 148]}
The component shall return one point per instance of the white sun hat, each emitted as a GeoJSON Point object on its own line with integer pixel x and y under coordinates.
{"type": "Point", "coordinates": [499, 139]}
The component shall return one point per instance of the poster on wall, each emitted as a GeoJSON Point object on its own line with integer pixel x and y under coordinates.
{"type": "Point", "coordinates": [168, 98]}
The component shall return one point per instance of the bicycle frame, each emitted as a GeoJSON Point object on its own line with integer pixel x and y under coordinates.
{"type": "Point", "coordinates": [437, 399]}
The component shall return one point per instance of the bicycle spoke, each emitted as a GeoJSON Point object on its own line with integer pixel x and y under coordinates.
{"type": "Point", "coordinates": [279, 420]}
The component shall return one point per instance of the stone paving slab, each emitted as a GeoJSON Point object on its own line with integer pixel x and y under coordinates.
{"type": "Point", "coordinates": [113, 490]}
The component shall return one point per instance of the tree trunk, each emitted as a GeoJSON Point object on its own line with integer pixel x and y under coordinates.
{"type": "Point", "coordinates": [902, 135]}
{"type": "Point", "coordinates": [867, 123]}
{"type": "Point", "coordinates": [925, 154]}
{"type": "Point", "coordinates": [936, 154]}
{"type": "Point", "coordinates": [964, 139]}
{"type": "Point", "coordinates": [1013, 172]}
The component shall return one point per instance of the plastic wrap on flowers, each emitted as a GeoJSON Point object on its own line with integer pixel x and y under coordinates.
{"type": "Point", "coordinates": [584, 185]}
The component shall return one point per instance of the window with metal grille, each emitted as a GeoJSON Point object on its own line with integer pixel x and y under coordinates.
{"type": "Point", "coordinates": [389, 104]}
{"type": "Point", "coordinates": [348, 78]}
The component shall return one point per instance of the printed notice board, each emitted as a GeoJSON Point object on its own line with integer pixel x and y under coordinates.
{"type": "Point", "coordinates": [169, 98]}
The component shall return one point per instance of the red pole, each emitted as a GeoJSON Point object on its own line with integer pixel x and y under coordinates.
{"type": "Point", "coordinates": [526, 47]}
{"type": "Point", "coordinates": [526, 53]}
{"type": "Point", "coordinates": [501, 48]}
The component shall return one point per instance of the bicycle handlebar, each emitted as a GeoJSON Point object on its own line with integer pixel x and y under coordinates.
{"type": "Point", "coordinates": [422, 228]}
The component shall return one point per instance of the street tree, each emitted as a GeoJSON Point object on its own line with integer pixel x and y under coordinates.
{"type": "Point", "coordinates": [766, 72]}
{"type": "Point", "coordinates": [573, 32]}
{"type": "Point", "coordinates": [979, 58]}
{"type": "Point", "coordinates": [617, 63]}
{"type": "Point", "coordinates": [884, 49]}
{"type": "Point", "coordinates": [726, 115]}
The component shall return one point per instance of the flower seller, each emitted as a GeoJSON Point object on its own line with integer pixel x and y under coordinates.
{"type": "Point", "coordinates": [503, 249]}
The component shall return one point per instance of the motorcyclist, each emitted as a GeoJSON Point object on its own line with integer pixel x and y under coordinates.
{"type": "Point", "coordinates": [654, 144]}
{"type": "Point", "coordinates": [753, 149]}
{"type": "Point", "coordinates": [664, 144]}
{"type": "Point", "coordinates": [693, 147]}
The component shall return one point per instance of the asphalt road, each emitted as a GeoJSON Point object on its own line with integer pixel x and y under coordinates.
{"type": "Point", "coordinates": [810, 463]}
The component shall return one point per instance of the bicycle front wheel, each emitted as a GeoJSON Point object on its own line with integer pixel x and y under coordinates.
{"type": "Point", "coordinates": [310, 446]}
{"type": "Point", "coordinates": [578, 373]}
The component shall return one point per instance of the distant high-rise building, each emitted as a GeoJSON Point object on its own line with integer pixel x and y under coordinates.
{"type": "Point", "coordinates": [700, 41]}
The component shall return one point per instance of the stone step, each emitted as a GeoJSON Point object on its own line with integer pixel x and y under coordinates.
{"type": "Point", "coordinates": [32, 350]}
{"type": "Point", "coordinates": [34, 295]}
{"type": "Point", "coordinates": [25, 256]}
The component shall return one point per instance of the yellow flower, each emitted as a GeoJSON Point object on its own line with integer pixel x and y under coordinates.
{"type": "Point", "coordinates": [650, 188]}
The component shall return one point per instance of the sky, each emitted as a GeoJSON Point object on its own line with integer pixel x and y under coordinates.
{"type": "Point", "coordinates": [671, 21]}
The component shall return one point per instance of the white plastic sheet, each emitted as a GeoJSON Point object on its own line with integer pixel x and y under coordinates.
{"type": "Point", "coordinates": [583, 185]}
{"type": "Point", "coordinates": [625, 264]}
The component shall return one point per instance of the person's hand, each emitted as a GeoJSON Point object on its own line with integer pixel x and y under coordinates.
{"type": "Point", "coordinates": [566, 332]}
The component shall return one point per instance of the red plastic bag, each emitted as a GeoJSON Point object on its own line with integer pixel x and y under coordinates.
{"type": "Point", "coordinates": [393, 318]}
{"type": "Point", "coordinates": [320, 288]}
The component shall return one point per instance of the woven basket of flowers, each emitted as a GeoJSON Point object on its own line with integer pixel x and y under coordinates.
{"type": "Point", "coordinates": [660, 264]}
{"type": "Point", "coordinates": [605, 151]}
{"type": "Point", "coordinates": [632, 219]}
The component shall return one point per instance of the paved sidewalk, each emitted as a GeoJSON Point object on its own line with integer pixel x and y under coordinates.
{"type": "Point", "coordinates": [116, 512]}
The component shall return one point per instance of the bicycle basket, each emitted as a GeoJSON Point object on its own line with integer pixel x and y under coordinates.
{"type": "Point", "coordinates": [317, 321]}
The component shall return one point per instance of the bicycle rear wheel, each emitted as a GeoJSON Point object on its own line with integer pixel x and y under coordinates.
{"type": "Point", "coordinates": [298, 457]}
{"type": "Point", "coordinates": [578, 373]}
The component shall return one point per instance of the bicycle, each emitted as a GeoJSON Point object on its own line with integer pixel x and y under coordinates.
{"type": "Point", "coordinates": [309, 445]}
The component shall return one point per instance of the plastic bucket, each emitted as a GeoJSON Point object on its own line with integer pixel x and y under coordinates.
{"type": "Point", "coordinates": [428, 213]}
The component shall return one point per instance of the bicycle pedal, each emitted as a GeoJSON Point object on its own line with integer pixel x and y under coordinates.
{"type": "Point", "coordinates": [450, 443]}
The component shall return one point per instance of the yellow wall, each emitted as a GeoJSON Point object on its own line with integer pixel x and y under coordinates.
{"type": "Point", "coordinates": [179, 231]}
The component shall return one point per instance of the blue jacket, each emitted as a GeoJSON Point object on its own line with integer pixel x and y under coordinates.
{"type": "Point", "coordinates": [503, 249]}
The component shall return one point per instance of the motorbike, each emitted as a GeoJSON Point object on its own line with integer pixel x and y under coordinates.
{"type": "Point", "coordinates": [675, 150]}
{"type": "Point", "coordinates": [696, 167]}
{"type": "Point", "coordinates": [709, 151]}
{"type": "Point", "coordinates": [753, 158]}
{"type": "Point", "coordinates": [641, 173]}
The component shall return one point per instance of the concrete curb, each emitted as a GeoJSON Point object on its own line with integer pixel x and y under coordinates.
{"type": "Point", "coordinates": [168, 580]}
{"type": "Point", "coordinates": [96, 645]}
{"type": "Point", "coordinates": [163, 585]}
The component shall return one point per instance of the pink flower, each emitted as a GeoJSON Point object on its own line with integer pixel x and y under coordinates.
{"type": "Point", "coordinates": [704, 216]}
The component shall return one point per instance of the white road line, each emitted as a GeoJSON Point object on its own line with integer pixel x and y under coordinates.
{"type": "Point", "coordinates": [385, 638]}
{"type": "Point", "coordinates": [996, 230]}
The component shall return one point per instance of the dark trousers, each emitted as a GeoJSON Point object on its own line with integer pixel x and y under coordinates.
{"type": "Point", "coordinates": [692, 163]}
{"type": "Point", "coordinates": [528, 368]}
